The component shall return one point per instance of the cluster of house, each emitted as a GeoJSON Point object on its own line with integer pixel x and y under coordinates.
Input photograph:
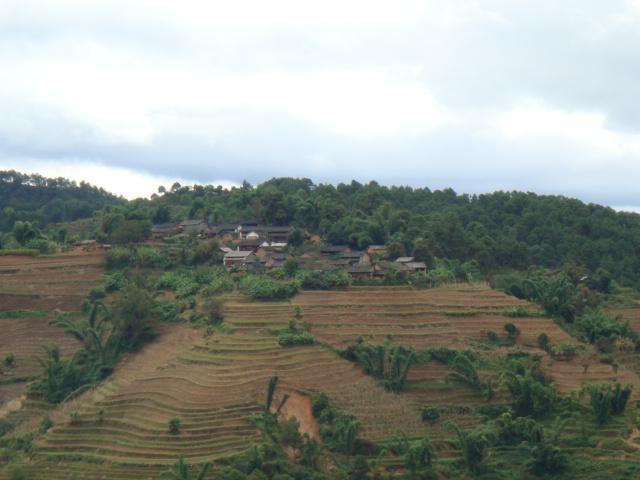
{"type": "Point", "coordinates": [358, 264]}
{"type": "Point", "coordinates": [249, 245]}
{"type": "Point", "coordinates": [247, 235]}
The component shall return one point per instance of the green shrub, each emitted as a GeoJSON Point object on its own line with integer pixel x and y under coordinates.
{"type": "Point", "coordinates": [322, 280]}
{"type": "Point", "coordinates": [419, 457]}
{"type": "Point", "coordinates": [607, 400]}
{"type": "Point", "coordinates": [544, 342]}
{"type": "Point", "coordinates": [511, 330]}
{"type": "Point", "coordinates": [390, 364]}
{"type": "Point", "coordinates": [174, 425]}
{"type": "Point", "coordinates": [564, 351]}
{"type": "Point", "coordinates": [74, 417]}
{"type": "Point", "coordinates": [521, 312]}
{"type": "Point", "coordinates": [430, 414]}
{"type": "Point", "coordinates": [96, 293]}
{"type": "Point", "coordinates": [602, 329]}
{"type": "Point", "coordinates": [339, 430]}
{"type": "Point", "coordinates": [10, 360]}
{"type": "Point", "coordinates": [115, 282]}
{"type": "Point", "coordinates": [149, 257]}
{"type": "Point", "coordinates": [45, 424]}
{"type": "Point", "coordinates": [17, 473]}
{"type": "Point", "coordinates": [24, 252]}
{"type": "Point", "coordinates": [290, 338]}
{"type": "Point", "coordinates": [119, 257]}
{"type": "Point", "coordinates": [263, 288]}
{"type": "Point", "coordinates": [531, 395]}
{"type": "Point", "coordinates": [183, 283]}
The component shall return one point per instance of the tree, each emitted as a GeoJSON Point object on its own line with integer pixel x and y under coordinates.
{"type": "Point", "coordinates": [133, 320]}
{"type": "Point", "coordinates": [607, 401]}
{"type": "Point", "coordinates": [473, 446]}
{"type": "Point", "coordinates": [464, 371]}
{"type": "Point", "coordinates": [162, 214]}
{"type": "Point", "coordinates": [25, 231]}
{"type": "Point", "coordinates": [419, 457]}
{"type": "Point", "coordinates": [180, 471]}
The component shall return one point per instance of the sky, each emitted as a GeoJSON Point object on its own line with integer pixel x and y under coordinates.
{"type": "Point", "coordinates": [474, 95]}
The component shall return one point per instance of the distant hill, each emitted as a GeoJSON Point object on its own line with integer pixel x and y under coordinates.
{"type": "Point", "coordinates": [43, 200]}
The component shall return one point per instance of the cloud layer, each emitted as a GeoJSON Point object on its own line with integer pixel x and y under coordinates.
{"type": "Point", "coordinates": [476, 95]}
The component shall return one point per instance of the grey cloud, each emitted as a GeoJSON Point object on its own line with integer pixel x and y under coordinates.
{"type": "Point", "coordinates": [572, 55]}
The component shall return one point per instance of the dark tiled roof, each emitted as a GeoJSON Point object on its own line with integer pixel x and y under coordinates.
{"type": "Point", "coordinates": [188, 223]}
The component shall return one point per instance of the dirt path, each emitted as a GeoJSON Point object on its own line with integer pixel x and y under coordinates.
{"type": "Point", "coordinates": [299, 406]}
{"type": "Point", "coordinates": [12, 406]}
{"type": "Point", "coordinates": [634, 439]}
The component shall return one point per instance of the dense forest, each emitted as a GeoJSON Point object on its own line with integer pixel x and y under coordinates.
{"type": "Point", "coordinates": [500, 230]}
{"type": "Point", "coordinates": [42, 201]}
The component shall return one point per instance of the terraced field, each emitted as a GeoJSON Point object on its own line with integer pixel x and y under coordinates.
{"type": "Point", "coordinates": [31, 288]}
{"type": "Point", "coordinates": [213, 384]}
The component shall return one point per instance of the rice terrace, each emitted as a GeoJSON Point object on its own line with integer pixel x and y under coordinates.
{"type": "Point", "coordinates": [149, 341]}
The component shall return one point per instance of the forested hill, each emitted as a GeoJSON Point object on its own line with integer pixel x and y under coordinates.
{"type": "Point", "coordinates": [501, 229]}
{"type": "Point", "coordinates": [47, 200]}
{"type": "Point", "coordinates": [498, 230]}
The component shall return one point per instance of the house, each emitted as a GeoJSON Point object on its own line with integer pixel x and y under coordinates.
{"type": "Point", "coordinates": [224, 231]}
{"type": "Point", "coordinates": [278, 234]}
{"type": "Point", "coordinates": [197, 227]}
{"type": "Point", "coordinates": [355, 258]}
{"type": "Point", "coordinates": [409, 265]}
{"type": "Point", "coordinates": [361, 271]}
{"type": "Point", "coordinates": [249, 245]}
{"type": "Point", "coordinates": [238, 258]}
{"type": "Point", "coordinates": [379, 250]}
{"type": "Point", "coordinates": [89, 245]}
{"type": "Point", "coordinates": [163, 230]}
{"type": "Point", "coordinates": [404, 259]}
{"type": "Point", "coordinates": [330, 250]}
{"type": "Point", "coordinates": [416, 267]}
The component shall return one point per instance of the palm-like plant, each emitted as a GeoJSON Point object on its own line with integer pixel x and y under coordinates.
{"type": "Point", "coordinates": [473, 446]}
{"type": "Point", "coordinates": [464, 371]}
{"type": "Point", "coordinates": [180, 471]}
{"type": "Point", "coordinates": [91, 331]}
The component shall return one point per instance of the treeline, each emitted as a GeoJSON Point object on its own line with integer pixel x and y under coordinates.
{"type": "Point", "coordinates": [41, 201]}
{"type": "Point", "coordinates": [498, 230]}
{"type": "Point", "coordinates": [501, 230]}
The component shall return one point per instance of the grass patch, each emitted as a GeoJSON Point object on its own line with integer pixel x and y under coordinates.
{"type": "Point", "coordinates": [23, 314]}
{"type": "Point", "coordinates": [522, 312]}
{"type": "Point", "coordinates": [28, 252]}
{"type": "Point", "coordinates": [17, 379]}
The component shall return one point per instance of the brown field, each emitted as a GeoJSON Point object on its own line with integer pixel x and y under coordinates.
{"type": "Point", "coordinates": [214, 384]}
{"type": "Point", "coordinates": [39, 285]}
{"type": "Point", "coordinates": [48, 282]}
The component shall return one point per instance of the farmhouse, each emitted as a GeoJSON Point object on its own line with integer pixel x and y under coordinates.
{"type": "Point", "coordinates": [249, 245]}
{"type": "Point", "coordinates": [238, 258]}
{"type": "Point", "coordinates": [197, 227]}
{"type": "Point", "coordinates": [380, 250]}
{"type": "Point", "coordinates": [360, 271]}
{"type": "Point", "coordinates": [330, 250]}
{"type": "Point", "coordinates": [163, 230]}
{"type": "Point", "coordinates": [278, 234]}
{"type": "Point", "coordinates": [355, 258]}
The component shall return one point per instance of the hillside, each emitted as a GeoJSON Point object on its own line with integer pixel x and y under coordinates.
{"type": "Point", "coordinates": [42, 201]}
{"type": "Point", "coordinates": [214, 379]}
{"type": "Point", "coordinates": [270, 348]}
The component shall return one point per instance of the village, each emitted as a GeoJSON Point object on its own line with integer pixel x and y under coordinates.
{"type": "Point", "coordinates": [250, 246]}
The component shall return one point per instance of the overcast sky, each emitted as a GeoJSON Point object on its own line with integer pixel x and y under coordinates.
{"type": "Point", "coordinates": [475, 95]}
